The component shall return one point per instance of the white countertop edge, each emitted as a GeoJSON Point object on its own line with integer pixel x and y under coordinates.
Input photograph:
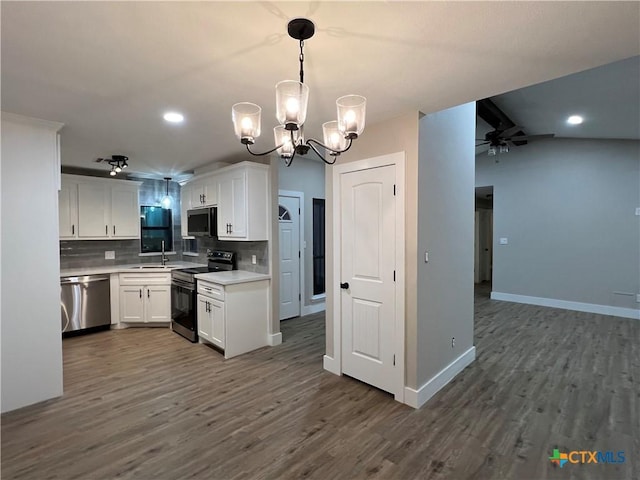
{"type": "Point", "coordinates": [233, 277]}
{"type": "Point", "coordinates": [78, 272]}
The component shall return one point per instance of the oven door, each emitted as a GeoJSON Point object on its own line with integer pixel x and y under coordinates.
{"type": "Point", "coordinates": [183, 309]}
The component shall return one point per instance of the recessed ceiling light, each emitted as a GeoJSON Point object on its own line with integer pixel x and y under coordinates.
{"type": "Point", "coordinates": [173, 117]}
{"type": "Point", "coordinates": [574, 120]}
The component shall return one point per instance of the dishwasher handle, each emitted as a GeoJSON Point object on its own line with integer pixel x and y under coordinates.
{"type": "Point", "coordinates": [86, 279]}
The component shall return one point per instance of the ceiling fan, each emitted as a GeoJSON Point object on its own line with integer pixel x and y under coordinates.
{"type": "Point", "coordinates": [505, 132]}
{"type": "Point", "coordinates": [117, 163]}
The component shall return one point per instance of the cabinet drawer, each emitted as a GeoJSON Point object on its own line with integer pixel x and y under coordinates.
{"type": "Point", "coordinates": [211, 290]}
{"type": "Point", "coordinates": [135, 278]}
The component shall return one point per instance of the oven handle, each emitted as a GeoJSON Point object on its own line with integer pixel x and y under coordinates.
{"type": "Point", "coordinates": [188, 286]}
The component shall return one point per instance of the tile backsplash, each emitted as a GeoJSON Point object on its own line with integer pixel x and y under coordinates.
{"type": "Point", "coordinates": [244, 251]}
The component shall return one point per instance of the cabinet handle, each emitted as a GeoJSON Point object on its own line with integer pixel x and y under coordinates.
{"type": "Point", "coordinates": [140, 293]}
{"type": "Point", "coordinates": [114, 229]}
{"type": "Point", "coordinates": [73, 229]}
{"type": "Point", "coordinates": [106, 229]}
{"type": "Point", "coordinates": [207, 289]}
{"type": "Point", "coordinates": [206, 307]}
{"type": "Point", "coordinates": [148, 293]}
{"type": "Point", "coordinates": [230, 228]}
{"type": "Point", "coordinates": [204, 198]}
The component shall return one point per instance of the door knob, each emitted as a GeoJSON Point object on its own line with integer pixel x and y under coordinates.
{"type": "Point", "coordinates": [344, 285]}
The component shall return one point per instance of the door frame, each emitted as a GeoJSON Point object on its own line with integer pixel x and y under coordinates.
{"type": "Point", "coordinates": [300, 197]}
{"type": "Point", "coordinates": [397, 159]}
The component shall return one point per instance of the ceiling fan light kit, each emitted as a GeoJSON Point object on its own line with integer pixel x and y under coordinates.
{"type": "Point", "coordinates": [292, 98]}
{"type": "Point", "coordinates": [117, 163]}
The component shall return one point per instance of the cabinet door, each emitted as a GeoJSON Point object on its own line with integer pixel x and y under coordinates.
{"type": "Point", "coordinates": [131, 303]}
{"type": "Point", "coordinates": [216, 312]}
{"type": "Point", "coordinates": [125, 212]}
{"type": "Point", "coordinates": [210, 190]}
{"type": "Point", "coordinates": [205, 327]}
{"type": "Point", "coordinates": [158, 303]}
{"type": "Point", "coordinates": [197, 195]}
{"type": "Point", "coordinates": [68, 210]}
{"type": "Point", "coordinates": [232, 205]}
{"type": "Point", "coordinates": [93, 210]}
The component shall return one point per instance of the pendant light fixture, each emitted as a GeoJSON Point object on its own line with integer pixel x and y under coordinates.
{"type": "Point", "coordinates": [117, 163]}
{"type": "Point", "coordinates": [291, 112]}
{"type": "Point", "coordinates": [166, 200]}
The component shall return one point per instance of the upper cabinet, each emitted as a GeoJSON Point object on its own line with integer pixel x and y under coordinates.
{"type": "Point", "coordinates": [96, 208]}
{"type": "Point", "coordinates": [241, 193]}
{"type": "Point", "coordinates": [243, 202]}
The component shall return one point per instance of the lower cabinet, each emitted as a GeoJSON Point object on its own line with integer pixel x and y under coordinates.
{"type": "Point", "coordinates": [211, 320]}
{"type": "Point", "coordinates": [234, 318]}
{"type": "Point", "coordinates": [145, 298]}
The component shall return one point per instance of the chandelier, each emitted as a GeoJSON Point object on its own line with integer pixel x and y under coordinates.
{"type": "Point", "coordinates": [291, 112]}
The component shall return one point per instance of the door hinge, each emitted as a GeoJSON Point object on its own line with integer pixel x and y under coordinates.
{"type": "Point", "coordinates": [394, 189]}
{"type": "Point", "coordinates": [394, 360]}
{"type": "Point", "coordinates": [394, 275]}
{"type": "Point", "coordinates": [298, 253]}
{"type": "Point", "coordinates": [299, 296]}
{"type": "Point", "coordinates": [298, 211]}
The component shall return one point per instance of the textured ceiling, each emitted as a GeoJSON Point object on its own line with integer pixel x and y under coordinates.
{"type": "Point", "coordinates": [108, 70]}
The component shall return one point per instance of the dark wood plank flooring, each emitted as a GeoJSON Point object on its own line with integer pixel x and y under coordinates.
{"type": "Point", "coordinates": [146, 404]}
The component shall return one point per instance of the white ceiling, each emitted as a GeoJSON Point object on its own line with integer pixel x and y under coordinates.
{"type": "Point", "coordinates": [108, 70]}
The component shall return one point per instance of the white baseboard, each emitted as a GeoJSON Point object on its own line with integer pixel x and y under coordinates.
{"type": "Point", "coordinates": [313, 308]}
{"type": "Point", "coordinates": [567, 305]}
{"type": "Point", "coordinates": [274, 339]}
{"type": "Point", "coordinates": [417, 398]}
{"type": "Point", "coordinates": [330, 365]}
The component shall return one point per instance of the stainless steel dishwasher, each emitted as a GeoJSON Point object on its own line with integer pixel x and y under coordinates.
{"type": "Point", "coordinates": [85, 302]}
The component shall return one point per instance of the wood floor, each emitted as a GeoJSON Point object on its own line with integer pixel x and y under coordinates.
{"type": "Point", "coordinates": [146, 404]}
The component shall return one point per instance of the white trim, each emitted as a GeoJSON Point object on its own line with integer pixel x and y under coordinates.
{"type": "Point", "coordinates": [398, 160]}
{"type": "Point", "coordinates": [320, 296]}
{"type": "Point", "coordinates": [417, 398]}
{"type": "Point", "coordinates": [331, 365]}
{"type": "Point", "coordinates": [190, 254]}
{"type": "Point", "coordinates": [568, 305]}
{"type": "Point", "coordinates": [274, 339]}
{"type": "Point", "coordinates": [300, 197]}
{"type": "Point", "coordinates": [313, 308]}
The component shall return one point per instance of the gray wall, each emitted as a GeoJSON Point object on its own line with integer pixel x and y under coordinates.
{"type": "Point", "coordinates": [567, 207]}
{"type": "Point", "coordinates": [306, 176]}
{"type": "Point", "coordinates": [446, 197]}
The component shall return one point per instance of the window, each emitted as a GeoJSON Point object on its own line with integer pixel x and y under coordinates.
{"type": "Point", "coordinates": [155, 226]}
{"type": "Point", "coordinates": [318, 246]}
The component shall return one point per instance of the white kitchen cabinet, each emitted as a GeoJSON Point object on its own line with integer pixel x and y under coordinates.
{"type": "Point", "coordinates": [92, 208]}
{"type": "Point", "coordinates": [185, 206]}
{"type": "Point", "coordinates": [234, 317]}
{"type": "Point", "coordinates": [145, 298]}
{"type": "Point", "coordinates": [211, 320]}
{"type": "Point", "coordinates": [243, 202]}
{"type": "Point", "coordinates": [204, 192]}
{"type": "Point", "coordinates": [68, 211]}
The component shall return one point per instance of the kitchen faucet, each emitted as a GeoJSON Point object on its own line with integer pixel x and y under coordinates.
{"type": "Point", "coordinates": [163, 259]}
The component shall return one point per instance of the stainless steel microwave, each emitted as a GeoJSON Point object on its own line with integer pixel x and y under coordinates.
{"type": "Point", "coordinates": [202, 222]}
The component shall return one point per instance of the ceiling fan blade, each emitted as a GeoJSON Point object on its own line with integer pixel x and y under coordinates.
{"type": "Point", "coordinates": [511, 131]}
{"type": "Point", "coordinates": [483, 143]}
{"type": "Point", "coordinates": [526, 138]}
{"type": "Point", "coordinates": [490, 113]}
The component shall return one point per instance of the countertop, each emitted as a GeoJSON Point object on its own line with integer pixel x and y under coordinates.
{"type": "Point", "coordinates": [75, 272]}
{"type": "Point", "coordinates": [232, 277]}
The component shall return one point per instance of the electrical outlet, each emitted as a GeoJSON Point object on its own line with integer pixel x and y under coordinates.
{"type": "Point", "coordinates": [254, 260]}
{"type": "Point", "coordinates": [109, 255]}
{"type": "Point", "coordinates": [453, 342]}
{"type": "Point", "coordinates": [504, 241]}
{"type": "Point", "coordinates": [638, 212]}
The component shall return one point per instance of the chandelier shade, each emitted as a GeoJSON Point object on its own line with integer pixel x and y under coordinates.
{"type": "Point", "coordinates": [246, 121]}
{"type": "Point", "coordinates": [292, 98]}
{"type": "Point", "coordinates": [291, 103]}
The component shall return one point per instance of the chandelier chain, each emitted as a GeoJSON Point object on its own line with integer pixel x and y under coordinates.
{"type": "Point", "coordinates": [301, 62]}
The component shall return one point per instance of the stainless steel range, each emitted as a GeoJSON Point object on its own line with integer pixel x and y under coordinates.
{"type": "Point", "coordinates": [184, 299]}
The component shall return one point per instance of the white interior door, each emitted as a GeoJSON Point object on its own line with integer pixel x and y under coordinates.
{"type": "Point", "coordinates": [368, 223]}
{"type": "Point", "coordinates": [289, 223]}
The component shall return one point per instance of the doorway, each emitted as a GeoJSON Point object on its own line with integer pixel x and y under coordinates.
{"type": "Point", "coordinates": [289, 230]}
{"type": "Point", "coordinates": [483, 256]}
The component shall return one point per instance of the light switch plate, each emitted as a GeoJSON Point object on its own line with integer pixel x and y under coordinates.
{"type": "Point", "coordinates": [504, 241]}
{"type": "Point", "coordinates": [254, 260]}
{"type": "Point", "coordinates": [109, 255]}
